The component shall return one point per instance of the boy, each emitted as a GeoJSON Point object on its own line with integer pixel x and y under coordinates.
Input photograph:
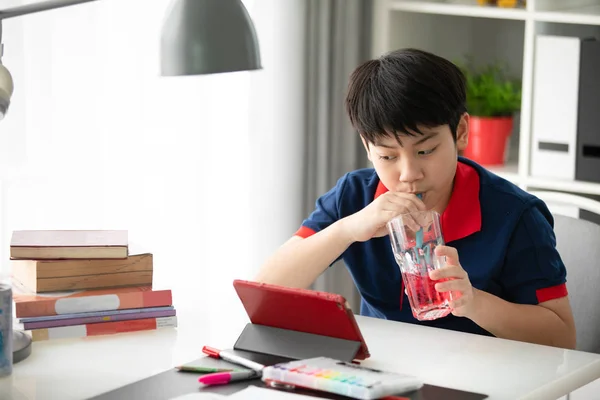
{"type": "Point", "coordinates": [409, 109]}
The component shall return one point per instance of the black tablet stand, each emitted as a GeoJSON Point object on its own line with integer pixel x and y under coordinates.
{"type": "Point", "coordinates": [294, 345]}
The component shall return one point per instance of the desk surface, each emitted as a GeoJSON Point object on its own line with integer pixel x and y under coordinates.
{"type": "Point", "coordinates": [82, 368]}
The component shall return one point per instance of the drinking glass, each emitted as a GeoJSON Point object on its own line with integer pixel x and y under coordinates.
{"type": "Point", "coordinates": [414, 237]}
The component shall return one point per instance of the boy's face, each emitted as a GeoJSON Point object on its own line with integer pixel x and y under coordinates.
{"type": "Point", "coordinates": [422, 163]}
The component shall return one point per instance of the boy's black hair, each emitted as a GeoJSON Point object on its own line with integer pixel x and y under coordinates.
{"type": "Point", "coordinates": [403, 89]}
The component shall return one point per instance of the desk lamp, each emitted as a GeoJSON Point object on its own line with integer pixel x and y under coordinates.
{"type": "Point", "coordinates": [198, 37]}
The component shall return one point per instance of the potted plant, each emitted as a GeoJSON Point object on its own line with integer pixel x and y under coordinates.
{"type": "Point", "coordinates": [492, 99]}
{"type": "Point", "coordinates": [503, 3]}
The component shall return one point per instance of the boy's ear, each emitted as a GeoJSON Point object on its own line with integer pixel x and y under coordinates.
{"type": "Point", "coordinates": [366, 145]}
{"type": "Point", "coordinates": [462, 133]}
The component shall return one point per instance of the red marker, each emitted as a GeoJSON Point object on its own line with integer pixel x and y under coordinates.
{"type": "Point", "coordinates": [222, 378]}
{"type": "Point", "coordinates": [232, 358]}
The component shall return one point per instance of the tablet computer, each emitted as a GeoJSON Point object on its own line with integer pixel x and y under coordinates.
{"type": "Point", "coordinates": [302, 310]}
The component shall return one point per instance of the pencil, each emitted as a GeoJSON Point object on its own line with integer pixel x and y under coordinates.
{"type": "Point", "coordinates": [192, 368]}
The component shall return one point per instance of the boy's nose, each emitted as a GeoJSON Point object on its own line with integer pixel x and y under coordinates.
{"type": "Point", "coordinates": [410, 171]}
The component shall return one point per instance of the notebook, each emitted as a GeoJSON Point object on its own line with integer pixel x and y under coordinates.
{"type": "Point", "coordinates": [170, 384]}
{"type": "Point", "coordinates": [250, 393]}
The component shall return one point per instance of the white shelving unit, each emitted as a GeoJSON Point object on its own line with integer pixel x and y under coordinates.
{"type": "Point", "coordinates": [456, 28]}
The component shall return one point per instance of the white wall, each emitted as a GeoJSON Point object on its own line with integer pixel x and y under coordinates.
{"type": "Point", "coordinates": [203, 171]}
{"type": "Point", "coordinates": [277, 123]}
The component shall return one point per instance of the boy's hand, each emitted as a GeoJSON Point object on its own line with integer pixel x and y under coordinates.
{"type": "Point", "coordinates": [458, 282]}
{"type": "Point", "coordinates": [371, 221]}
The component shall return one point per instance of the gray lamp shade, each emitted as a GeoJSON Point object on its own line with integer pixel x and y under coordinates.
{"type": "Point", "coordinates": [208, 36]}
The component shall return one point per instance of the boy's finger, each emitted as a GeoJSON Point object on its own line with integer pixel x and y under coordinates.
{"type": "Point", "coordinates": [452, 285]}
{"type": "Point", "coordinates": [403, 198]}
{"type": "Point", "coordinates": [411, 224]}
{"type": "Point", "coordinates": [451, 271]}
{"type": "Point", "coordinates": [408, 216]}
{"type": "Point", "coordinates": [417, 202]}
{"type": "Point", "coordinates": [449, 252]}
{"type": "Point", "coordinates": [459, 302]}
{"type": "Point", "coordinates": [403, 205]}
{"type": "Point", "coordinates": [425, 219]}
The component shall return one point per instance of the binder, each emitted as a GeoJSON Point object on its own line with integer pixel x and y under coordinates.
{"type": "Point", "coordinates": [555, 106]}
{"type": "Point", "coordinates": [587, 166]}
{"type": "Point", "coordinates": [565, 116]}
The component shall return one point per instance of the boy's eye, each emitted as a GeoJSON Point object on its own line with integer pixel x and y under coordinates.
{"type": "Point", "coordinates": [426, 152]}
{"type": "Point", "coordinates": [387, 158]}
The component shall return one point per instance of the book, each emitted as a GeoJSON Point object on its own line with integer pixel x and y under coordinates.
{"type": "Point", "coordinates": [68, 244]}
{"type": "Point", "coordinates": [105, 328]}
{"type": "Point", "coordinates": [93, 314]}
{"type": "Point", "coordinates": [29, 304]}
{"type": "Point", "coordinates": [58, 275]}
{"type": "Point", "coordinates": [114, 316]}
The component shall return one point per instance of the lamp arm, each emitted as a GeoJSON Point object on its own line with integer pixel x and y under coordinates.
{"type": "Point", "coordinates": [37, 7]}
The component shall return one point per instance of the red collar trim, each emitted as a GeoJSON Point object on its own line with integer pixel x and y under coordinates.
{"type": "Point", "coordinates": [462, 216]}
{"type": "Point", "coordinates": [381, 189]}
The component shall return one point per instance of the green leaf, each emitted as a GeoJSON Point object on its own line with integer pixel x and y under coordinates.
{"type": "Point", "coordinates": [490, 91]}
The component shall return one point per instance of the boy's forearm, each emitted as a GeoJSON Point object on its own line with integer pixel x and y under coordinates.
{"type": "Point", "coordinates": [523, 322]}
{"type": "Point", "coordinates": [300, 262]}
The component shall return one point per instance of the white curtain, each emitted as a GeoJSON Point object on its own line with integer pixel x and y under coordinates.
{"type": "Point", "coordinates": [194, 167]}
{"type": "Point", "coordinates": [338, 40]}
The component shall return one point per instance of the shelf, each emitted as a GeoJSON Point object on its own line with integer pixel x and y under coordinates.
{"type": "Point", "coordinates": [452, 28]}
{"type": "Point", "coordinates": [564, 185]}
{"type": "Point", "coordinates": [465, 8]}
{"type": "Point", "coordinates": [587, 15]}
{"type": "Point", "coordinates": [509, 171]}
{"type": "Point", "coordinates": [584, 15]}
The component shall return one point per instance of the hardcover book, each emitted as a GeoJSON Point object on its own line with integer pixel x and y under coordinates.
{"type": "Point", "coordinates": [58, 275]}
{"type": "Point", "coordinates": [106, 328]}
{"type": "Point", "coordinates": [28, 304]}
{"type": "Point", "coordinates": [67, 244]}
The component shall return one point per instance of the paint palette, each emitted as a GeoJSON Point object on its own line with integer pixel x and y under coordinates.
{"type": "Point", "coordinates": [339, 377]}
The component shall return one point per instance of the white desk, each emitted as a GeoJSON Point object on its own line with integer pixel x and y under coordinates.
{"type": "Point", "coordinates": [78, 369]}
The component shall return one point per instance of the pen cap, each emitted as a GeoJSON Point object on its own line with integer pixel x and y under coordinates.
{"type": "Point", "coordinates": [211, 352]}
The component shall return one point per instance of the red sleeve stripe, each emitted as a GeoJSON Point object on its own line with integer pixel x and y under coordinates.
{"type": "Point", "coordinates": [304, 232]}
{"type": "Point", "coordinates": [551, 293]}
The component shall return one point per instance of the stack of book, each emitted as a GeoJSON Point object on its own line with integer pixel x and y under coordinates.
{"type": "Point", "coordinates": [78, 283]}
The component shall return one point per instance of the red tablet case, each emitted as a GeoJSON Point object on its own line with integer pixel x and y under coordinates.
{"type": "Point", "coordinates": [302, 310]}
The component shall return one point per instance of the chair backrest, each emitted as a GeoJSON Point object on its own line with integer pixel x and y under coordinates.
{"type": "Point", "coordinates": [569, 200]}
{"type": "Point", "coordinates": [578, 242]}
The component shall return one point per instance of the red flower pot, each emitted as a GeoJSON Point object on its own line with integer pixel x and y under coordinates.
{"type": "Point", "coordinates": [488, 138]}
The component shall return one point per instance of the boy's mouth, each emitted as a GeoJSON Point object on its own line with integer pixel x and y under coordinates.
{"type": "Point", "coordinates": [421, 195]}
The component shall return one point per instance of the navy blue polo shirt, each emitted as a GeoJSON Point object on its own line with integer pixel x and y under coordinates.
{"type": "Point", "coordinates": [504, 237]}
